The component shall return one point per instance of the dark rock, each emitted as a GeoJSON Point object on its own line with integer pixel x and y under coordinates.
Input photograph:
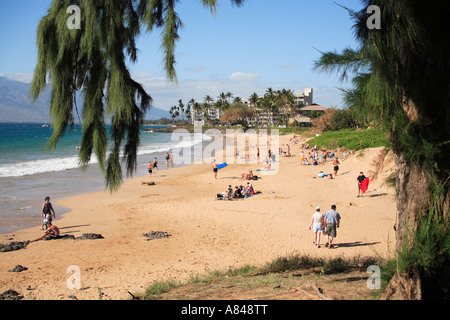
{"type": "Point", "coordinates": [13, 246]}
{"type": "Point", "coordinates": [90, 236]}
{"type": "Point", "coordinates": [10, 295]}
{"type": "Point", "coordinates": [18, 268]}
{"type": "Point", "coordinates": [156, 235]}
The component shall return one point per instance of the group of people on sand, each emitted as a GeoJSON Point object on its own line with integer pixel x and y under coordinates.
{"type": "Point", "coordinates": [153, 165]}
{"type": "Point", "coordinates": [315, 157]}
{"type": "Point", "coordinates": [327, 224]}
{"type": "Point", "coordinates": [283, 153]}
{"type": "Point", "coordinates": [240, 191]}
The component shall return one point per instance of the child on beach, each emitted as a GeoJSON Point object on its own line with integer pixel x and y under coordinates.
{"type": "Point", "coordinates": [150, 168]}
{"type": "Point", "coordinates": [317, 223]}
{"type": "Point", "coordinates": [46, 213]}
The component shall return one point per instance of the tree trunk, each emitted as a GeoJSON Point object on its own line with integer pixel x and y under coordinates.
{"type": "Point", "coordinates": [413, 198]}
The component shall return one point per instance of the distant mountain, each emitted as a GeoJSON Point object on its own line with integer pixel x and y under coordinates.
{"type": "Point", "coordinates": [16, 106]}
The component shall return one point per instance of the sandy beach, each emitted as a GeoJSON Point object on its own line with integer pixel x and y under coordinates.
{"type": "Point", "coordinates": [205, 234]}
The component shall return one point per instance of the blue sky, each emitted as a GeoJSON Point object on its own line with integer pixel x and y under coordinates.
{"type": "Point", "coordinates": [265, 43]}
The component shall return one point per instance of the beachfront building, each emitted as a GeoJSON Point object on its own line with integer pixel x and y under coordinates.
{"type": "Point", "coordinates": [206, 116]}
{"type": "Point", "coordinates": [266, 118]}
{"type": "Point", "coordinates": [210, 114]}
{"type": "Point", "coordinates": [314, 107]}
{"type": "Point", "coordinates": [305, 98]}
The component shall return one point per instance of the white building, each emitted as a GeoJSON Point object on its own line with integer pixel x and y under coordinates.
{"type": "Point", "coordinates": [206, 116]}
{"type": "Point", "coordinates": [306, 97]}
{"type": "Point", "coordinates": [263, 118]}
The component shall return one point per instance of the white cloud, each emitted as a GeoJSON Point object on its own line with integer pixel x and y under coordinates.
{"type": "Point", "coordinates": [241, 76]}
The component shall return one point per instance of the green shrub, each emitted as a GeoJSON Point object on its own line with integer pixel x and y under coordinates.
{"type": "Point", "coordinates": [350, 139]}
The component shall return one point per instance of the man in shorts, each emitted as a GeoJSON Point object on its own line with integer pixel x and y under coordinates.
{"type": "Point", "coordinates": [215, 169]}
{"type": "Point", "coordinates": [336, 164]}
{"type": "Point", "coordinates": [360, 179]}
{"type": "Point", "coordinates": [52, 232]}
{"type": "Point", "coordinates": [150, 168]}
{"type": "Point", "coordinates": [332, 219]}
{"type": "Point", "coordinates": [155, 164]}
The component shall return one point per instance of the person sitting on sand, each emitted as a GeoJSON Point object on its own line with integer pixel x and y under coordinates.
{"type": "Point", "coordinates": [324, 175]}
{"type": "Point", "coordinates": [250, 187]}
{"type": "Point", "coordinates": [247, 176]}
{"type": "Point", "coordinates": [238, 192]}
{"type": "Point", "coordinates": [230, 192]}
{"type": "Point", "coordinates": [52, 232]}
{"type": "Point", "coordinates": [221, 196]}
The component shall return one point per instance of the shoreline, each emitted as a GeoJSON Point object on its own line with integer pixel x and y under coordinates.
{"type": "Point", "coordinates": [205, 234]}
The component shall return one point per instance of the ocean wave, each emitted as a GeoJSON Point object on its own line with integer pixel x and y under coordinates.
{"type": "Point", "coordinates": [26, 168]}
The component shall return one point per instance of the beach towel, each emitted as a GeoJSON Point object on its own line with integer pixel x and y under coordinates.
{"type": "Point", "coordinates": [364, 185]}
{"type": "Point", "coordinates": [222, 165]}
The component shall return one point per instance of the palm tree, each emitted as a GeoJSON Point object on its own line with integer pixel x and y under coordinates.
{"type": "Point", "coordinates": [208, 99]}
{"type": "Point", "coordinates": [402, 78]}
{"type": "Point", "coordinates": [237, 100]}
{"type": "Point", "coordinates": [269, 105]}
{"type": "Point", "coordinates": [181, 109]}
{"type": "Point", "coordinates": [286, 103]}
{"type": "Point", "coordinates": [255, 102]}
{"type": "Point", "coordinates": [229, 96]}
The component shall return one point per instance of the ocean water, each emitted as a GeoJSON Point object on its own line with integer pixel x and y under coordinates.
{"type": "Point", "coordinates": [29, 173]}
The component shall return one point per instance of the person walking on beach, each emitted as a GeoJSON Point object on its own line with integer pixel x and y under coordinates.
{"type": "Point", "coordinates": [317, 222]}
{"type": "Point", "coordinates": [336, 166]}
{"type": "Point", "coordinates": [360, 179]}
{"type": "Point", "coordinates": [332, 219]}
{"type": "Point", "coordinates": [46, 213]}
{"type": "Point", "coordinates": [167, 160]}
{"type": "Point", "coordinates": [150, 168]}
{"type": "Point", "coordinates": [215, 169]}
{"type": "Point", "coordinates": [155, 163]}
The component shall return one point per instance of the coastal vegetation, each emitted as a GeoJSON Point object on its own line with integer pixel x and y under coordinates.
{"type": "Point", "coordinates": [288, 274]}
{"type": "Point", "coordinates": [400, 77]}
{"type": "Point", "coordinates": [350, 139]}
{"type": "Point", "coordinates": [401, 80]}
